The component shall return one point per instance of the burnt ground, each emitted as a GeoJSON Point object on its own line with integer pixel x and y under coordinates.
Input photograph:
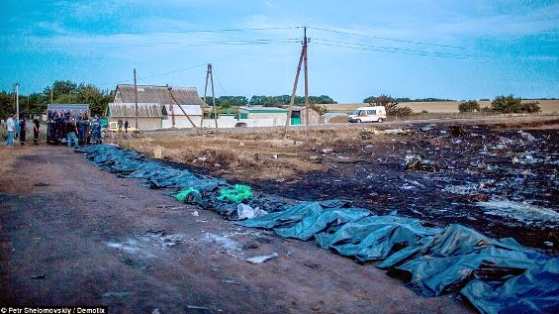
{"type": "Point", "coordinates": [500, 179]}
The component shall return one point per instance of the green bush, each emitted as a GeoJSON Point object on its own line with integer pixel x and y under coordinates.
{"type": "Point", "coordinates": [531, 107]}
{"type": "Point", "coordinates": [509, 104]}
{"type": "Point", "coordinates": [400, 111]}
{"type": "Point", "coordinates": [469, 106]}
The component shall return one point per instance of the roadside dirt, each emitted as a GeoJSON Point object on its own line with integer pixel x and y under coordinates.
{"type": "Point", "coordinates": [71, 234]}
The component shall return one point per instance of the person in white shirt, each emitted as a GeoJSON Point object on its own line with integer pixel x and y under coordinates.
{"type": "Point", "coordinates": [11, 128]}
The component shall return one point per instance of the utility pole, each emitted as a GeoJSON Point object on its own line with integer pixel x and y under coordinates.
{"type": "Point", "coordinates": [171, 106]}
{"type": "Point", "coordinates": [136, 99]}
{"type": "Point", "coordinates": [302, 58]}
{"type": "Point", "coordinates": [213, 94]}
{"type": "Point", "coordinates": [210, 76]}
{"type": "Point", "coordinates": [205, 93]}
{"type": "Point", "coordinates": [305, 42]}
{"type": "Point", "coordinates": [16, 92]}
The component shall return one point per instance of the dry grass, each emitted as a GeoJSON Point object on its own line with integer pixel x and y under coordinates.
{"type": "Point", "coordinates": [547, 106]}
{"type": "Point", "coordinates": [258, 155]}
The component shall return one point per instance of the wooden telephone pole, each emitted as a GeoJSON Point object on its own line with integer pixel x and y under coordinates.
{"type": "Point", "coordinates": [136, 99]}
{"type": "Point", "coordinates": [302, 58]}
{"type": "Point", "coordinates": [209, 75]}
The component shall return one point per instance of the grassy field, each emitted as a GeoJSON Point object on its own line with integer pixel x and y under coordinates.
{"type": "Point", "coordinates": [547, 106]}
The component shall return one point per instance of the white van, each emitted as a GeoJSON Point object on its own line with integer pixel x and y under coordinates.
{"type": "Point", "coordinates": [368, 114]}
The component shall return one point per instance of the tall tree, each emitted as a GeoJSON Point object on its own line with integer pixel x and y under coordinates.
{"type": "Point", "coordinates": [6, 104]}
{"type": "Point", "coordinates": [390, 104]}
{"type": "Point", "coordinates": [96, 98]}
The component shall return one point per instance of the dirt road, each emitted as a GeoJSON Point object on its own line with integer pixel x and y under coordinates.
{"type": "Point", "coordinates": [73, 235]}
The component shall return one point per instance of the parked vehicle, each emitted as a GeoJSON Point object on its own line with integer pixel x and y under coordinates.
{"type": "Point", "coordinates": [368, 114]}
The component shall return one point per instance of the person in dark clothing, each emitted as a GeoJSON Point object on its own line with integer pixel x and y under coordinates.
{"type": "Point", "coordinates": [81, 130]}
{"type": "Point", "coordinates": [22, 131]}
{"type": "Point", "coordinates": [71, 130]}
{"type": "Point", "coordinates": [96, 131]}
{"type": "Point", "coordinates": [59, 128]}
{"type": "Point", "coordinates": [86, 129]}
{"type": "Point", "coordinates": [51, 130]}
{"type": "Point", "coordinates": [126, 126]}
{"type": "Point", "coordinates": [36, 126]}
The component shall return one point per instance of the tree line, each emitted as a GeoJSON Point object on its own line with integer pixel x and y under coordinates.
{"type": "Point", "coordinates": [61, 92]}
{"type": "Point", "coordinates": [68, 92]}
{"type": "Point", "coordinates": [501, 104]}
{"type": "Point", "coordinates": [267, 101]}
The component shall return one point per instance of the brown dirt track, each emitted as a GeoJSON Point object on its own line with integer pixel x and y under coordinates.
{"type": "Point", "coordinates": [71, 234]}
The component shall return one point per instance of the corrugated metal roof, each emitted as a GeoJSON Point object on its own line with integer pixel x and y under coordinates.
{"type": "Point", "coordinates": [261, 109]}
{"type": "Point", "coordinates": [191, 110]}
{"type": "Point", "coordinates": [68, 107]}
{"type": "Point", "coordinates": [158, 94]}
{"type": "Point", "coordinates": [128, 110]}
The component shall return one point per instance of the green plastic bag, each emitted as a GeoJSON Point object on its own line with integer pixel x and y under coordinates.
{"type": "Point", "coordinates": [181, 197]}
{"type": "Point", "coordinates": [237, 194]}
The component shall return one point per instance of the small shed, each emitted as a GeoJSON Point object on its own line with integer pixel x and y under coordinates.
{"type": "Point", "coordinates": [262, 113]}
{"type": "Point", "coordinates": [73, 109]}
{"type": "Point", "coordinates": [299, 116]}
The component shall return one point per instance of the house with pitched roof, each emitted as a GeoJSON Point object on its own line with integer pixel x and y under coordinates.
{"type": "Point", "coordinates": [159, 107]}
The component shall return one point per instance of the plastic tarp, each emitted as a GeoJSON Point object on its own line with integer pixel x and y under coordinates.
{"type": "Point", "coordinates": [374, 238]}
{"type": "Point", "coordinates": [449, 260]}
{"type": "Point", "coordinates": [535, 291]}
{"type": "Point", "coordinates": [493, 276]}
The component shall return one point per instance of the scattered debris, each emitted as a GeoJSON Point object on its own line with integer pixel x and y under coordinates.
{"type": "Point", "coordinates": [457, 130]}
{"type": "Point", "coordinates": [523, 212]}
{"type": "Point", "coordinates": [246, 212]}
{"type": "Point", "coordinates": [419, 163]}
{"type": "Point", "coordinates": [38, 276]}
{"type": "Point", "coordinates": [427, 127]}
{"type": "Point", "coordinates": [315, 158]}
{"type": "Point", "coordinates": [228, 244]}
{"type": "Point", "coordinates": [196, 307]}
{"type": "Point", "coordinates": [262, 259]}
{"type": "Point", "coordinates": [527, 136]}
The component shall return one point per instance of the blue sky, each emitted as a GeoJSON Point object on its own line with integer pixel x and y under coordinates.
{"type": "Point", "coordinates": [462, 49]}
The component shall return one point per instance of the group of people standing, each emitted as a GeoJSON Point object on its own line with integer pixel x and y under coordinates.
{"type": "Point", "coordinates": [80, 131]}
{"type": "Point", "coordinates": [63, 128]}
{"type": "Point", "coordinates": [17, 129]}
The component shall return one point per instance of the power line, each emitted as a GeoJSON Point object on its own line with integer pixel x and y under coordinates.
{"type": "Point", "coordinates": [219, 81]}
{"type": "Point", "coordinates": [389, 49]}
{"type": "Point", "coordinates": [248, 29]}
{"type": "Point", "coordinates": [385, 38]}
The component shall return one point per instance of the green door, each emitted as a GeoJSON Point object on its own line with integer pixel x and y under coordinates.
{"type": "Point", "coordinates": [295, 121]}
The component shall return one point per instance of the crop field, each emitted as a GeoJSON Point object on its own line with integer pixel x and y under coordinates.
{"type": "Point", "coordinates": [547, 106]}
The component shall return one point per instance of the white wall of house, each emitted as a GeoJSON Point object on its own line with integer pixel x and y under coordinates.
{"type": "Point", "coordinates": [263, 115]}
{"type": "Point", "coordinates": [225, 122]}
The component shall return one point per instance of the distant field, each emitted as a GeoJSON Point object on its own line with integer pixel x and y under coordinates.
{"type": "Point", "coordinates": [547, 106]}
